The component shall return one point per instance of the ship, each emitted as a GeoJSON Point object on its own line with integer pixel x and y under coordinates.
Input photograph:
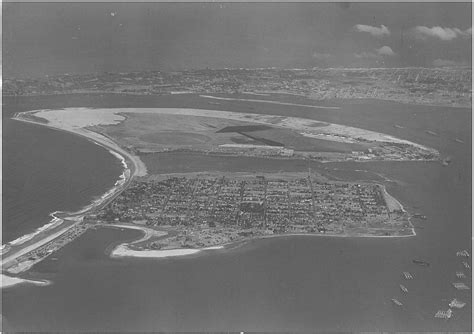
{"type": "Point", "coordinates": [420, 216]}
{"type": "Point", "coordinates": [421, 263]}
{"type": "Point", "coordinates": [444, 314]}
{"type": "Point", "coordinates": [458, 140]}
{"type": "Point", "coordinates": [460, 286]}
{"type": "Point", "coordinates": [457, 303]}
{"type": "Point", "coordinates": [460, 274]}
{"type": "Point", "coordinates": [396, 302]}
{"type": "Point", "coordinates": [407, 275]}
{"type": "Point", "coordinates": [466, 265]}
{"type": "Point", "coordinates": [446, 161]}
{"type": "Point", "coordinates": [463, 253]}
{"type": "Point", "coordinates": [403, 288]}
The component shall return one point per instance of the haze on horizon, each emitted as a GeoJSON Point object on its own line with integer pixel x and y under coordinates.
{"type": "Point", "coordinates": [55, 38]}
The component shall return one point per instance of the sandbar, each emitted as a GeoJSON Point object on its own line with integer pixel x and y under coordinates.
{"type": "Point", "coordinates": [9, 281]}
{"type": "Point", "coordinates": [124, 251]}
{"type": "Point", "coordinates": [268, 101]}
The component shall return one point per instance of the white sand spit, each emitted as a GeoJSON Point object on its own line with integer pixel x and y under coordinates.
{"type": "Point", "coordinates": [9, 281]}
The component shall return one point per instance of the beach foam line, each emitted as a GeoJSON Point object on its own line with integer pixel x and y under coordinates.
{"type": "Point", "coordinates": [53, 223]}
{"type": "Point", "coordinates": [9, 281]}
{"type": "Point", "coordinates": [267, 101]}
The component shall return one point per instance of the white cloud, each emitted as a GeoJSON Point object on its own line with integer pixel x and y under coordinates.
{"type": "Point", "coordinates": [374, 31]}
{"type": "Point", "coordinates": [447, 63]}
{"type": "Point", "coordinates": [445, 34]}
{"type": "Point", "coordinates": [385, 51]}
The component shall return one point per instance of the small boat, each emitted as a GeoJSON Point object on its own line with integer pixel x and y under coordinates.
{"type": "Point", "coordinates": [458, 141]}
{"type": "Point", "coordinates": [398, 126]}
{"type": "Point", "coordinates": [446, 161]}
{"type": "Point", "coordinates": [460, 274]}
{"type": "Point", "coordinates": [463, 253]}
{"type": "Point", "coordinates": [457, 303]}
{"type": "Point", "coordinates": [444, 314]}
{"type": "Point", "coordinates": [431, 132]}
{"type": "Point", "coordinates": [466, 265]}
{"type": "Point", "coordinates": [421, 263]}
{"type": "Point", "coordinates": [396, 302]}
{"type": "Point", "coordinates": [420, 216]}
{"type": "Point", "coordinates": [460, 286]}
{"type": "Point", "coordinates": [403, 288]}
{"type": "Point", "coordinates": [407, 275]}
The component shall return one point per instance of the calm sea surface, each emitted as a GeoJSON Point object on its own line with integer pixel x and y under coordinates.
{"type": "Point", "coordinates": [46, 170]}
{"type": "Point", "coordinates": [288, 283]}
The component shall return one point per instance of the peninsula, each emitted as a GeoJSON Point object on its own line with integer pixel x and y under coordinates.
{"type": "Point", "coordinates": [183, 213]}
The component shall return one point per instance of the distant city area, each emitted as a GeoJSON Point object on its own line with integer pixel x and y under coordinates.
{"type": "Point", "coordinates": [436, 86]}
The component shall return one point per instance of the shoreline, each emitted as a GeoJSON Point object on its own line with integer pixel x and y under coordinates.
{"type": "Point", "coordinates": [27, 243]}
{"type": "Point", "coordinates": [123, 250]}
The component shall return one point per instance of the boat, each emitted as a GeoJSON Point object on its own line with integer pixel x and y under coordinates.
{"type": "Point", "coordinates": [458, 140]}
{"type": "Point", "coordinates": [446, 161]}
{"type": "Point", "coordinates": [463, 253]}
{"type": "Point", "coordinates": [420, 216]}
{"type": "Point", "coordinates": [466, 265]}
{"type": "Point", "coordinates": [457, 303]}
{"type": "Point", "coordinates": [460, 274]}
{"type": "Point", "coordinates": [460, 286]}
{"type": "Point", "coordinates": [403, 288]}
{"type": "Point", "coordinates": [444, 314]}
{"type": "Point", "coordinates": [407, 275]}
{"type": "Point", "coordinates": [396, 302]}
{"type": "Point", "coordinates": [421, 263]}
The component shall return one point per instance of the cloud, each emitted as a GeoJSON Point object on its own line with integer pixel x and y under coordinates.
{"type": "Point", "coordinates": [374, 31]}
{"type": "Point", "coordinates": [445, 34]}
{"type": "Point", "coordinates": [321, 56]}
{"type": "Point", "coordinates": [447, 63]}
{"type": "Point", "coordinates": [385, 51]}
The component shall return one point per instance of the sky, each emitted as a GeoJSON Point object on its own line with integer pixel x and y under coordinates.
{"type": "Point", "coordinates": [56, 38]}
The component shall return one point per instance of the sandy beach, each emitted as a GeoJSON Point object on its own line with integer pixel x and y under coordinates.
{"type": "Point", "coordinates": [124, 251]}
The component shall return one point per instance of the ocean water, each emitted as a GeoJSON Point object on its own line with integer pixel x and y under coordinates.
{"type": "Point", "coordinates": [288, 283]}
{"type": "Point", "coordinates": [46, 170]}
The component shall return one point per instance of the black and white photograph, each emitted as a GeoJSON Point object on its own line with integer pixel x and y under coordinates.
{"type": "Point", "coordinates": [236, 167]}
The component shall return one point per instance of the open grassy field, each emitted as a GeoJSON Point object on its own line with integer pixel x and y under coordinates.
{"type": "Point", "coordinates": [154, 131]}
